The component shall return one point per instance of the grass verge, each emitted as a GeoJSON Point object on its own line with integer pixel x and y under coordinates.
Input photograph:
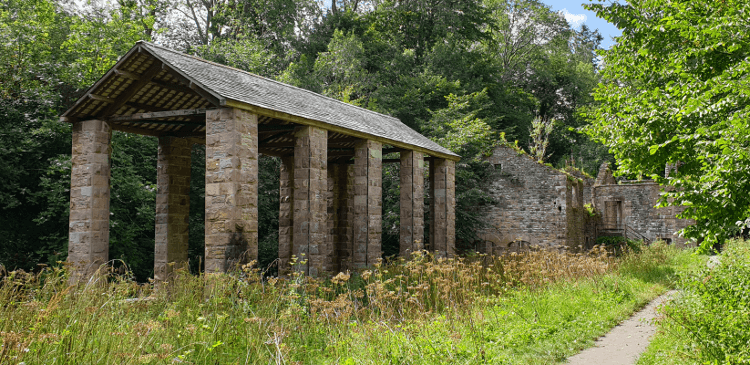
{"type": "Point", "coordinates": [536, 307]}
{"type": "Point", "coordinates": [707, 323]}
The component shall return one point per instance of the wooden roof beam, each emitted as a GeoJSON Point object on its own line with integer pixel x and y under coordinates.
{"type": "Point", "coordinates": [155, 115]}
{"type": "Point", "coordinates": [193, 86]}
{"type": "Point", "coordinates": [133, 89]}
{"type": "Point", "coordinates": [175, 88]}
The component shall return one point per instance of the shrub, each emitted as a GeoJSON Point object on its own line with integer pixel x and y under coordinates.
{"type": "Point", "coordinates": [714, 310]}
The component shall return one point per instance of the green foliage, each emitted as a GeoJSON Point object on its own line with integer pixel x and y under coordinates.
{"type": "Point", "coordinates": [539, 133]}
{"type": "Point", "coordinates": [674, 90]}
{"type": "Point", "coordinates": [706, 322]}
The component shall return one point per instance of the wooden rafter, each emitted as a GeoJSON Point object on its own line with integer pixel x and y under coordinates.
{"type": "Point", "coordinates": [103, 99]}
{"type": "Point", "coordinates": [153, 132]}
{"type": "Point", "coordinates": [133, 89]}
{"type": "Point", "coordinates": [275, 128]}
{"type": "Point", "coordinates": [193, 86]}
{"type": "Point", "coordinates": [273, 136]}
{"type": "Point", "coordinates": [175, 88]}
{"type": "Point", "coordinates": [145, 107]}
{"type": "Point", "coordinates": [155, 115]}
{"type": "Point", "coordinates": [180, 123]}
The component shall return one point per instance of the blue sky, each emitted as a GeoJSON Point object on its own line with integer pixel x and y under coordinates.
{"type": "Point", "coordinates": [577, 15]}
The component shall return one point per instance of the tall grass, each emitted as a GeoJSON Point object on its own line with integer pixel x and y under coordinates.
{"type": "Point", "coordinates": [421, 310]}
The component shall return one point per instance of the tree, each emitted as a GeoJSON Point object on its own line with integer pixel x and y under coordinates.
{"type": "Point", "coordinates": [674, 91]}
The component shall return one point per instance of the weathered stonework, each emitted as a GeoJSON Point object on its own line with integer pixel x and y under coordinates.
{"type": "Point", "coordinates": [88, 246]}
{"type": "Point", "coordinates": [443, 207]}
{"type": "Point", "coordinates": [368, 203]}
{"type": "Point", "coordinates": [345, 225]}
{"type": "Point", "coordinates": [412, 203]}
{"type": "Point", "coordinates": [172, 206]}
{"type": "Point", "coordinates": [231, 188]}
{"type": "Point", "coordinates": [286, 213]}
{"type": "Point", "coordinates": [630, 207]}
{"type": "Point", "coordinates": [544, 207]}
{"type": "Point", "coordinates": [537, 206]}
{"type": "Point", "coordinates": [310, 207]}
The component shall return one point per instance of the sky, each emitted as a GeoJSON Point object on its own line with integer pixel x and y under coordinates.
{"type": "Point", "coordinates": [577, 15]}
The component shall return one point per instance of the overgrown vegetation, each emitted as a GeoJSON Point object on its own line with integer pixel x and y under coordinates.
{"type": "Point", "coordinates": [707, 321]}
{"type": "Point", "coordinates": [533, 307]}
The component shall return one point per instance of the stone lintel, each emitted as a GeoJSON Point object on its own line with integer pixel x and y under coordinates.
{"type": "Point", "coordinates": [231, 188]}
{"type": "Point", "coordinates": [172, 206]}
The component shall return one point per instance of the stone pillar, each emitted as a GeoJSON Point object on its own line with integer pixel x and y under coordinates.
{"type": "Point", "coordinates": [172, 206]}
{"type": "Point", "coordinates": [231, 188]}
{"type": "Point", "coordinates": [412, 203]}
{"type": "Point", "coordinates": [88, 245]}
{"type": "Point", "coordinates": [345, 233]}
{"type": "Point", "coordinates": [335, 200]}
{"type": "Point", "coordinates": [443, 207]}
{"type": "Point", "coordinates": [310, 203]}
{"type": "Point", "coordinates": [286, 209]}
{"type": "Point", "coordinates": [367, 226]}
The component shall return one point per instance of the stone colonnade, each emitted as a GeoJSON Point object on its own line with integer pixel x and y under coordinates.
{"type": "Point", "coordinates": [330, 215]}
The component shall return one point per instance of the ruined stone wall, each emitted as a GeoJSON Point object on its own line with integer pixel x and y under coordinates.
{"type": "Point", "coordinates": [536, 205]}
{"type": "Point", "coordinates": [638, 212]}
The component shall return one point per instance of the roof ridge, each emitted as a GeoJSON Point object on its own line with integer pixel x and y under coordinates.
{"type": "Point", "coordinates": [266, 78]}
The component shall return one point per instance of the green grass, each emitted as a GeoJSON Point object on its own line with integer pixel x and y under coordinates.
{"type": "Point", "coordinates": [708, 321]}
{"type": "Point", "coordinates": [531, 308]}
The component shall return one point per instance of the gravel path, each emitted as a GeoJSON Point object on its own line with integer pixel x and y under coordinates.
{"type": "Point", "coordinates": [624, 343]}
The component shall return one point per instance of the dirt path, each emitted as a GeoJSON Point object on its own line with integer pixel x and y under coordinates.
{"type": "Point", "coordinates": [624, 343]}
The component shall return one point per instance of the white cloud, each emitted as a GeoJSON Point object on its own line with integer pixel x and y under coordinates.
{"type": "Point", "coordinates": [575, 20]}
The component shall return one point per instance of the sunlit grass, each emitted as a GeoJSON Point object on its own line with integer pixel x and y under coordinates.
{"type": "Point", "coordinates": [533, 307]}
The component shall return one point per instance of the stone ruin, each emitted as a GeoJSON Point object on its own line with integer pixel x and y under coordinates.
{"type": "Point", "coordinates": [540, 206]}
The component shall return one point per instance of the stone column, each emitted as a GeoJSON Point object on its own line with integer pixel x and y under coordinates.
{"type": "Point", "coordinates": [310, 203]}
{"type": "Point", "coordinates": [367, 227]}
{"type": "Point", "coordinates": [286, 209]}
{"type": "Point", "coordinates": [88, 245]}
{"type": "Point", "coordinates": [412, 203]}
{"type": "Point", "coordinates": [333, 199]}
{"type": "Point", "coordinates": [345, 233]}
{"type": "Point", "coordinates": [172, 206]}
{"type": "Point", "coordinates": [231, 188]}
{"type": "Point", "coordinates": [443, 207]}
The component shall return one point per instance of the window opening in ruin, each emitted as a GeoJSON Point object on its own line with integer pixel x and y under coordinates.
{"type": "Point", "coordinates": [667, 240]}
{"type": "Point", "coordinates": [559, 208]}
{"type": "Point", "coordinates": [498, 167]}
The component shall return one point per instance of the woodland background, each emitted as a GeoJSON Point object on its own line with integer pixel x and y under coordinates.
{"type": "Point", "coordinates": [466, 73]}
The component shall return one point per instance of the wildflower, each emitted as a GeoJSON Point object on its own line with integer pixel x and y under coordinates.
{"type": "Point", "coordinates": [340, 278]}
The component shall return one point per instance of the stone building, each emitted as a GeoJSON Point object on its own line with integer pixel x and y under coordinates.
{"type": "Point", "coordinates": [331, 155]}
{"type": "Point", "coordinates": [536, 205]}
{"type": "Point", "coordinates": [539, 206]}
{"type": "Point", "coordinates": [628, 209]}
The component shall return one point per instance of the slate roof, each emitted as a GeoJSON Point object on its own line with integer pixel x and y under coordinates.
{"type": "Point", "coordinates": [227, 83]}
